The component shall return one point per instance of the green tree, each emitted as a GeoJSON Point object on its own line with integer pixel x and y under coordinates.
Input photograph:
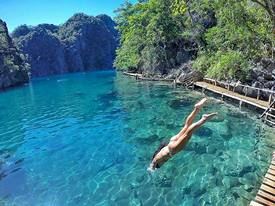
{"type": "Point", "coordinates": [222, 37]}
{"type": "Point", "coordinates": [146, 30]}
{"type": "Point", "coordinates": [241, 36]}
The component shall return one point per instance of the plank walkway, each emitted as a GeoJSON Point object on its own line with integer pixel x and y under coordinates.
{"type": "Point", "coordinates": [233, 95]}
{"type": "Point", "coordinates": [266, 193]}
{"type": "Point", "coordinates": [215, 89]}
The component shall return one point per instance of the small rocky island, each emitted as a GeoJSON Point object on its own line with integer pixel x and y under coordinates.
{"type": "Point", "coordinates": [13, 68]}
{"type": "Point", "coordinates": [80, 44]}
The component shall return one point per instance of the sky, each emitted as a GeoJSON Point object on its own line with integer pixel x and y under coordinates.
{"type": "Point", "coordinates": [33, 12]}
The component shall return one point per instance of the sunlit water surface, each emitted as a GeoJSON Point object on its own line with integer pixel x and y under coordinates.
{"type": "Point", "coordinates": [87, 139]}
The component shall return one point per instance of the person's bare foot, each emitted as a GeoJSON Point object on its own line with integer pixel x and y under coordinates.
{"type": "Point", "coordinates": [200, 103]}
{"type": "Point", "coordinates": [209, 116]}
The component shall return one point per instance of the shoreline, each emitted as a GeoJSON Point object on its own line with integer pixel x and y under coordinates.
{"type": "Point", "coordinates": [141, 77]}
{"type": "Point", "coordinates": [243, 89]}
{"type": "Point", "coordinates": [231, 98]}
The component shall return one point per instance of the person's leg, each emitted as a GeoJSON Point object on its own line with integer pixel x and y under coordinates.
{"type": "Point", "coordinates": [197, 107]}
{"type": "Point", "coordinates": [199, 123]}
{"type": "Point", "coordinates": [183, 139]}
{"type": "Point", "coordinates": [204, 118]}
{"type": "Point", "coordinates": [190, 118]}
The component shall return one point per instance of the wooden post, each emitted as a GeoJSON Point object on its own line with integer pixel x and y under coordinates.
{"type": "Point", "coordinates": [258, 95]}
{"type": "Point", "coordinates": [215, 82]}
{"type": "Point", "coordinates": [245, 90]}
{"type": "Point", "coordinates": [269, 100]}
{"type": "Point", "coordinates": [228, 88]}
{"type": "Point", "coordinates": [240, 104]}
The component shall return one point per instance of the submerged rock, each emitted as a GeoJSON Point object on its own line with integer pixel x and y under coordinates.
{"type": "Point", "coordinates": [164, 181]}
{"type": "Point", "coordinates": [197, 190]}
{"type": "Point", "coordinates": [148, 139]}
{"type": "Point", "coordinates": [198, 147]}
{"type": "Point", "coordinates": [211, 149]}
{"type": "Point", "coordinates": [186, 190]}
{"type": "Point", "coordinates": [140, 178]}
{"type": "Point", "coordinates": [204, 131]}
{"type": "Point", "coordinates": [247, 168]}
{"type": "Point", "coordinates": [242, 193]}
{"type": "Point", "coordinates": [230, 182]}
{"type": "Point", "coordinates": [179, 103]}
{"type": "Point", "coordinates": [232, 169]}
{"type": "Point", "coordinates": [79, 94]}
{"type": "Point", "coordinates": [219, 118]}
{"type": "Point", "coordinates": [249, 178]}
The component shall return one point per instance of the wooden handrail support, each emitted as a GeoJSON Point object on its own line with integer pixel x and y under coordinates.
{"type": "Point", "coordinates": [267, 110]}
{"type": "Point", "coordinates": [215, 82]}
{"type": "Point", "coordinates": [270, 92]}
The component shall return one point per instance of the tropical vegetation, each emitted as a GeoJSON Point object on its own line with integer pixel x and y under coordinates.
{"type": "Point", "coordinates": [222, 38]}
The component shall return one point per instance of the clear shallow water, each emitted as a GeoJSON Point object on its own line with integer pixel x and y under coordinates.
{"type": "Point", "coordinates": [87, 139]}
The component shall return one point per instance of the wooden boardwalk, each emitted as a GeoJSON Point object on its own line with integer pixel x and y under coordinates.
{"type": "Point", "coordinates": [263, 105]}
{"type": "Point", "coordinates": [233, 95]}
{"type": "Point", "coordinates": [266, 193]}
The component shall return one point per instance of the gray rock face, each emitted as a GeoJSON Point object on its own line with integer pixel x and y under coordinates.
{"type": "Point", "coordinates": [82, 43]}
{"type": "Point", "coordinates": [13, 69]}
{"type": "Point", "coordinates": [110, 25]}
{"type": "Point", "coordinates": [263, 74]}
{"type": "Point", "coordinates": [88, 42]}
{"type": "Point", "coordinates": [44, 51]}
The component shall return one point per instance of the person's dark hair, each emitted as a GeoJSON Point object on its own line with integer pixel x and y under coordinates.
{"type": "Point", "coordinates": [163, 144]}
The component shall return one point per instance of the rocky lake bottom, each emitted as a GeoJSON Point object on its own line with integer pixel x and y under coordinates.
{"type": "Point", "coordinates": [88, 138]}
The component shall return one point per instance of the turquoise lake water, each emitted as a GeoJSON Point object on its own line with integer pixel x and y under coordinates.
{"type": "Point", "coordinates": [87, 139]}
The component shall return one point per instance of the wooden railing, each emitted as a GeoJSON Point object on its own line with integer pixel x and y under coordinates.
{"type": "Point", "coordinates": [268, 109]}
{"type": "Point", "coordinates": [254, 92]}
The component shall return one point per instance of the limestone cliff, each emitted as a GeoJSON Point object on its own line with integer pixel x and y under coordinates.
{"type": "Point", "coordinates": [13, 69]}
{"type": "Point", "coordinates": [82, 43]}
